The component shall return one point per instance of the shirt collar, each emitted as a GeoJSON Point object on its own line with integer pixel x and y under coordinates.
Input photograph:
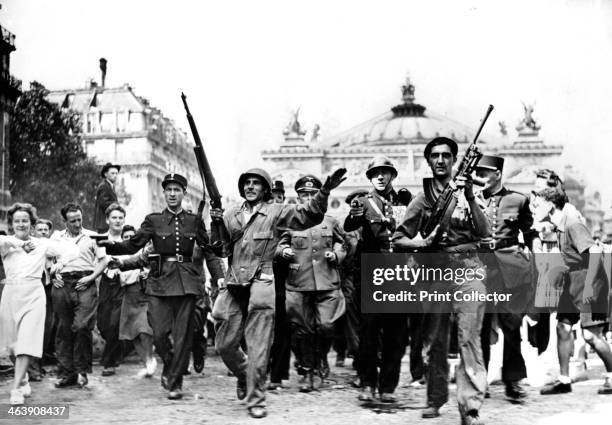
{"type": "Point", "coordinates": [171, 215]}
{"type": "Point", "coordinates": [501, 192]}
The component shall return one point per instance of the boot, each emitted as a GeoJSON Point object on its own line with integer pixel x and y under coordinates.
{"type": "Point", "coordinates": [308, 384]}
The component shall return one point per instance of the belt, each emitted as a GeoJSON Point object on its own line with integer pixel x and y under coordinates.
{"type": "Point", "coordinates": [177, 258]}
{"type": "Point", "coordinates": [496, 244]}
{"type": "Point", "coordinates": [76, 275]}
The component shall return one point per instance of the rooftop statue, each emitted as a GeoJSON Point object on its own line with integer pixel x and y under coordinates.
{"type": "Point", "coordinates": [528, 121]}
{"type": "Point", "coordinates": [294, 126]}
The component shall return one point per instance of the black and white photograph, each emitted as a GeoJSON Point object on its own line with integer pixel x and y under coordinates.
{"type": "Point", "coordinates": [291, 212]}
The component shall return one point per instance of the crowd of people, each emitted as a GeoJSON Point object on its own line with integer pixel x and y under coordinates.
{"type": "Point", "coordinates": [285, 279]}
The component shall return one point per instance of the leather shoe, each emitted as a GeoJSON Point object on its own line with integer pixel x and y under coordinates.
{"type": "Point", "coordinates": [556, 387]}
{"type": "Point", "coordinates": [66, 381]}
{"type": "Point", "coordinates": [241, 390]}
{"type": "Point", "coordinates": [472, 418]}
{"type": "Point", "coordinates": [366, 394]}
{"type": "Point", "coordinates": [257, 412]}
{"type": "Point", "coordinates": [514, 390]}
{"type": "Point", "coordinates": [606, 388]}
{"type": "Point", "coordinates": [430, 412]}
{"type": "Point", "coordinates": [388, 398]}
{"type": "Point", "coordinates": [175, 395]}
{"type": "Point", "coordinates": [108, 371]}
{"type": "Point", "coordinates": [198, 364]}
{"type": "Point", "coordinates": [308, 383]}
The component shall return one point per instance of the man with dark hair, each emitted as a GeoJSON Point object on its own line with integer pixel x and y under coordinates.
{"type": "Point", "coordinates": [585, 291]}
{"type": "Point", "coordinates": [175, 280]}
{"type": "Point", "coordinates": [456, 243]}
{"type": "Point", "coordinates": [75, 300]}
{"type": "Point", "coordinates": [245, 307]}
{"type": "Point", "coordinates": [110, 298]}
{"type": "Point", "coordinates": [376, 215]}
{"type": "Point", "coordinates": [508, 269]}
{"type": "Point", "coordinates": [105, 195]}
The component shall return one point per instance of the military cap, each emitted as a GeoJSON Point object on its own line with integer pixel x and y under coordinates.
{"type": "Point", "coordinates": [355, 194]}
{"type": "Point", "coordinates": [441, 141]}
{"type": "Point", "coordinates": [308, 183]}
{"type": "Point", "coordinates": [175, 178]}
{"type": "Point", "coordinates": [490, 162]}
{"type": "Point", "coordinates": [278, 186]}
{"type": "Point", "coordinates": [380, 162]}
{"type": "Point", "coordinates": [107, 167]}
{"type": "Point", "coordinates": [258, 172]}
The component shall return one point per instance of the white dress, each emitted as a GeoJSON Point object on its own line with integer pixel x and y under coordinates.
{"type": "Point", "coordinates": [23, 302]}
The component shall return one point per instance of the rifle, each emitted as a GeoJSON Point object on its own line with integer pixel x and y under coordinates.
{"type": "Point", "coordinates": [208, 180]}
{"type": "Point", "coordinates": [466, 167]}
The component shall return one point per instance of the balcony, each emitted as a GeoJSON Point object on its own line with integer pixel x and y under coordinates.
{"type": "Point", "coordinates": [10, 85]}
{"type": "Point", "coordinates": [7, 38]}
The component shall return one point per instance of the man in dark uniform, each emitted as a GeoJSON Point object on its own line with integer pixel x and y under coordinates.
{"type": "Point", "coordinates": [456, 248]}
{"type": "Point", "coordinates": [509, 269]}
{"type": "Point", "coordinates": [105, 195]}
{"type": "Point", "coordinates": [314, 299]}
{"type": "Point", "coordinates": [245, 308]}
{"type": "Point", "coordinates": [173, 289]}
{"type": "Point", "coordinates": [376, 214]}
{"type": "Point", "coordinates": [280, 354]}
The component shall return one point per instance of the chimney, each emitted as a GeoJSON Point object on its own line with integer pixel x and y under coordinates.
{"type": "Point", "coordinates": [103, 69]}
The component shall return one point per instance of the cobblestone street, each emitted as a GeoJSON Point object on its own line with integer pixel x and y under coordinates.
{"type": "Point", "coordinates": [210, 399]}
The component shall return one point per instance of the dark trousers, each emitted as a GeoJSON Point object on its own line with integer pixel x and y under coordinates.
{"type": "Point", "coordinates": [513, 366]}
{"type": "Point", "coordinates": [109, 314]}
{"type": "Point", "coordinates": [76, 317]}
{"type": "Point", "coordinates": [198, 347]}
{"type": "Point", "coordinates": [280, 354]}
{"type": "Point", "coordinates": [50, 327]}
{"type": "Point", "coordinates": [172, 316]}
{"type": "Point", "coordinates": [391, 330]}
{"type": "Point", "coordinates": [417, 322]}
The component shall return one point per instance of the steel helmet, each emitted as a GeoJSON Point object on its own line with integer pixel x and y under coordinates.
{"type": "Point", "coordinates": [380, 162]}
{"type": "Point", "coordinates": [262, 174]}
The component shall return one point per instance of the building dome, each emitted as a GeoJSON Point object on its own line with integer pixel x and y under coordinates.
{"type": "Point", "coordinates": [406, 123]}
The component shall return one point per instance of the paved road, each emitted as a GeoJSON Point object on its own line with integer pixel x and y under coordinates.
{"type": "Point", "coordinates": [210, 399]}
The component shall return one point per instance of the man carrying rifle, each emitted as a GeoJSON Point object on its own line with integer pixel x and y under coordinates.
{"type": "Point", "coordinates": [249, 235]}
{"type": "Point", "coordinates": [175, 281]}
{"type": "Point", "coordinates": [454, 241]}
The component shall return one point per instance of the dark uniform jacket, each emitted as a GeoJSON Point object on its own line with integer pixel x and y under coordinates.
{"type": "Point", "coordinates": [377, 229]}
{"type": "Point", "coordinates": [509, 213]}
{"type": "Point", "coordinates": [309, 270]}
{"type": "Point", "coordinates": [250, 246]}
{"type": "Point", "coordinates": [172, 236]}
{"type": "Point", "coordinates": [105, 196]}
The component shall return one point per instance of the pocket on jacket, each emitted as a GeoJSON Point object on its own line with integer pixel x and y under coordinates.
{"type": "Point", "coordinates": [259, 239]}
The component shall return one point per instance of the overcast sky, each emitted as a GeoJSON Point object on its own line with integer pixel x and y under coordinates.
{"type": "Point", "coordinates": [246, 65]}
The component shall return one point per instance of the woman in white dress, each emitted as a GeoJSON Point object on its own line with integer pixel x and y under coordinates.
{"type": "Point", "coordinates": [23, 303]}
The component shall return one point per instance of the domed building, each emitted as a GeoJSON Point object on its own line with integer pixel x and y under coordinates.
{"type": "Point", "coordinates": [401, 134]}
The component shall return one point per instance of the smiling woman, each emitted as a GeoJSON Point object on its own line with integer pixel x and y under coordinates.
{"type": "Point", "coordinates": [23, 303]}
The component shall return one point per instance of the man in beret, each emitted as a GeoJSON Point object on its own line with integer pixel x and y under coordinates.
{"type": "Point", "coordinates": [314, 299]}
{"type": "Point", "coordinates": [244, 308]}
{"type": "Point", "coordinates": [376, 214]}
{"type": "Point", "coordinates": [454, 244]}
{"type": "Point", "coordinates": [509, 269]}
{"type": "Point", "coordinates": [175, 280]}
{"type": "Point", "coordinates": [105, 195]}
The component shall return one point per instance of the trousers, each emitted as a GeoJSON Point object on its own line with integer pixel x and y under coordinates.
{"type": "Point", "coordinates": [471, 374]}
{"type": "Point", "coordinates": [172, 316]}
{"type": "Point", "coordinates": [110, 298]}
{"type": "Point", "coordinates": [246, 312]}
{"type": "Point", "coordinates": [513, 363]}
{"type": "Point", "coordinates": [76, 317]}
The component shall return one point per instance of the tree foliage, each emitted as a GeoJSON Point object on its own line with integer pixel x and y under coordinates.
{"type": "Point", "coordinates": [48, 165]}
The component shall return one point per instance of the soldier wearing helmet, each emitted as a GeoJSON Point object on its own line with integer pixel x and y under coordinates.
{"type": "Point", "coordinates": [245, 306]}
{"type": "Point", "coordinates": [376, 214]}
{"type": "Point", "coordinates": [314, 299]}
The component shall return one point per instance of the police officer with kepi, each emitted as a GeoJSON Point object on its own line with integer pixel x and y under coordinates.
{"type": "Point", "coordinates": [173, 289]}
{"type": "Point", "coordinates": [314, 299]}
{"type": "Point", "coordinates": [509, 269]}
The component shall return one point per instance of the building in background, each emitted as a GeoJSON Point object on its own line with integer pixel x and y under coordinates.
{"type": "Point", "coordinates": [10, 89]}
{"type": "Point", "coordinates": [401, 134]}
{"type": "Point", "coordinates": [125, 129]}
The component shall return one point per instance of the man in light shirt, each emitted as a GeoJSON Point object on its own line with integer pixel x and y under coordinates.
{"type": "Point", "coordinates": [75, 301]}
